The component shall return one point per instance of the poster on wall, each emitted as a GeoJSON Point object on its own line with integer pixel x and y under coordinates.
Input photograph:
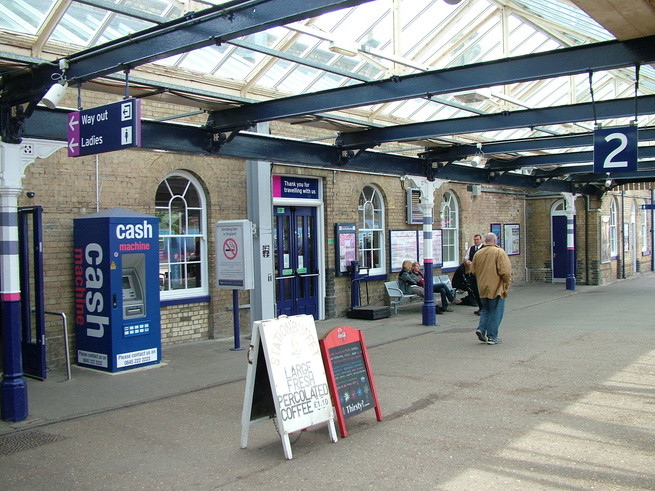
{"type": "Point", "coordinates": [346, 246]}
{"type": "Point", "coordinates": [495, 229]}
{"type": "Point", "coordinates": [605, 246]}
{"type": "Point", "coordinates": [626, 236]}
{"type": "Point", "coordinates": [512, 239]}
{"type": "Point", "coordinates": [403, 245]}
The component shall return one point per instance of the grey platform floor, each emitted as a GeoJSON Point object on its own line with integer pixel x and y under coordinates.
{"type": "Point", "coordinates": [567, 401]}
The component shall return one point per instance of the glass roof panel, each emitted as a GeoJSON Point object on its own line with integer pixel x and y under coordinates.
{"type": "Point", "coordinates": [24, 16]}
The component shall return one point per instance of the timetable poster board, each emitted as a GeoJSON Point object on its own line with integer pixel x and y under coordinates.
{"type": "Point", "coordinates": [349, 374]}
{"type": "Point", "coordinates": [512, 239]}
{"type": "Point", "coordinates": [346, 246]}
{"type": "Point", "coordinates": [403, 245]}
{"type": "Point", "coordinates": [298, 384]}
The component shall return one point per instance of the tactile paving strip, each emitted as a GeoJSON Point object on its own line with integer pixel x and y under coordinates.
{"type": "Point", "coordinates": [26, 440]}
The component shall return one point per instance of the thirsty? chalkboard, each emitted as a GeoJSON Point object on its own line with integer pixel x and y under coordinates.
{"type": "Point", "coordinates": [348, 373]}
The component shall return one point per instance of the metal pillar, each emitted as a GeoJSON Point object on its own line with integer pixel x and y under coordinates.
{"type": "Point", "coordinates": [426, 206]}
{"type": "Point", "coordinates": [14, 158]}
{"type": "Point", "coordinates": [260, 213]}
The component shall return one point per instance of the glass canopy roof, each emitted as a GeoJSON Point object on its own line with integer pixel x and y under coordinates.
{"type": "Point", "coordinates": [372, 41]}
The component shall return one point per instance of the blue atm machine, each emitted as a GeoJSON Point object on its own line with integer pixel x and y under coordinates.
{"type": "Point", "coordinates": [116, 271]}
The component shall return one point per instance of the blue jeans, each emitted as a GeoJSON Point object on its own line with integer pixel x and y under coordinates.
{"type": "Point", "coordinates": [491, 315]}
{"type": "Point", "coordinates": [446, 294]}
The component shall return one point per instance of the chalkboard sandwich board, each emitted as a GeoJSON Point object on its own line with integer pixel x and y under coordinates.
{"type": "Point", "coordinates": [286, 379]}
{"type": "Point", "coordinates": [349, 374]}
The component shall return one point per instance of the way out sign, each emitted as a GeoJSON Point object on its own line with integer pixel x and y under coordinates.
{"type": "Point", "coordinates": [615, 149]}
{"type": "Point", "coordinates": [103, 129]}
{"type": "Point", "coordinates": [234, 257]}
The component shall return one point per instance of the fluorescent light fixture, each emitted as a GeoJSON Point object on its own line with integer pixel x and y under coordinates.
{"type": "Point", "coordinates": [471, 96]}
{"type": "Point", "coordinates": [341, 48]}
{"type": "Point", "coordinates": [54, 95]}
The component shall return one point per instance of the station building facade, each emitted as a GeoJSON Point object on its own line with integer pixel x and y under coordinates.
{"type": "Point", "coordinates": [190, 193]}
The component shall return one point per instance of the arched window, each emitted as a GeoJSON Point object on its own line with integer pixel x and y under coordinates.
{"type": "Point", "coordinates": [371, 231]}
{"type": "Point", "coordinates": [613, 229]}
{"type": "Point", "coordinates": [450, 227]}
{"type": "Point", "coordinates": [180, 207]}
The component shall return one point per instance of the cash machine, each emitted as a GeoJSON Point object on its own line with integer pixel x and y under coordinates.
{"type": "Point", "coordinates": [116, 271]}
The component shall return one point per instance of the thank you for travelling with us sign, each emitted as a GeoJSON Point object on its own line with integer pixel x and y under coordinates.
{"type": "Point", "coordinates": [102, 129]}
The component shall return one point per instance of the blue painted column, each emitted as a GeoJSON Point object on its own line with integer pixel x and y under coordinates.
{"type": "Point", "coordinates": [13, 386]}
{"type": "Point", "coordinates": [14, 158]}
{"type": "Point", "coordinates": [426, 206]}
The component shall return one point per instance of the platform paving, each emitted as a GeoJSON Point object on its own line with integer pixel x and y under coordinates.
{"type": "Point", "coordinates": [567, 401]}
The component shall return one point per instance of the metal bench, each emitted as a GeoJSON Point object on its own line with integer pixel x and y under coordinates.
{"type": "Point", "coordinates": [397, 297]}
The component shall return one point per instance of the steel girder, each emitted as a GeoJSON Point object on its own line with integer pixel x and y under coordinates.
{"type": "Point", "coordinates": [195, 30]}
{"type": "Point", "coordinates": [460, 152]}
{"type": "Point", "coordinates": [527, 118]}
{"type": "Point", "coordinates": [556, 159]}
{"type": "Point", "coordinates": [51, 124]}
{"type": "Point", "coordinates": [567, 61]}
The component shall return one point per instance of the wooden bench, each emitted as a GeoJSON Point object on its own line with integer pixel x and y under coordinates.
{"type": "Point", "coordinates": [397, 297]}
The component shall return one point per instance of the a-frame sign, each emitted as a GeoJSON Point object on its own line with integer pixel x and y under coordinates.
{"type": "Point", "coordinates": [286, 379]}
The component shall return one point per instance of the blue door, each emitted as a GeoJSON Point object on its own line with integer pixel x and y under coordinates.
{"type": "Point", "coordinates": [560, 248]}
{"type": "Point", "coordinates": [30, 257]}
{"type": "Point", "coordinates": [296, 265]}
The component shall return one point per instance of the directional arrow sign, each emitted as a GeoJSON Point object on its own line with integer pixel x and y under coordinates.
{"type": "Point", "coordinates": [104, 129]}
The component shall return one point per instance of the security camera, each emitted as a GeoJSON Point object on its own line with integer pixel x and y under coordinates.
{"type": "Point", "coordinates": [608, 183]}
{"type": "Point", "coordinates": [30, 194]}
{"type": "Point", "coordinates": [54, 95]}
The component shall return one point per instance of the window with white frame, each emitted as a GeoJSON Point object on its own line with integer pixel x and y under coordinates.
{"type": "Point", "coordinates": [644, 229]}
{"type": "Point", "coordinates": [450, 227]}
{"type": "Point", "coordinates": [371, 231]}
{"type": "Point", "coordinates": [180, 207]}
{"type": "Point", "coordinates": [613, 229]}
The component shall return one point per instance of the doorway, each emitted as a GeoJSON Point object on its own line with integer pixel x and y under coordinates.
{"type": "Point", "coordinates": [559, 251]}
{"type": "Point", "coordinates": [296, 261]}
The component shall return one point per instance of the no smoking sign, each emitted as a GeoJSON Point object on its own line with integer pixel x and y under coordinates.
{"type": "Point", "coordinates": [230, 249]}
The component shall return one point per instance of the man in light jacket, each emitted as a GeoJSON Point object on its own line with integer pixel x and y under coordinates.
{"type": "Point", "coordinates": [493, 272]}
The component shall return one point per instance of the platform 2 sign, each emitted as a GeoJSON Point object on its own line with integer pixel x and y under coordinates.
{"type": "Point", "coordinates": [106, 128]}
{"type": "Point", "coordinates": [615, 149]}
{"type": "Point", "coordinates": [286, 379]}
{"type": "Point", "coordinates": [349, 374]}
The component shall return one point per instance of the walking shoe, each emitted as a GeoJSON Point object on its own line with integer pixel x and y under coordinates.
{"type": "Point", "coordinates": [494, 341]}
{"type": "Point", "coordinates": [477, 312]}
{"type": "Point", "coordinates": [481, 336]}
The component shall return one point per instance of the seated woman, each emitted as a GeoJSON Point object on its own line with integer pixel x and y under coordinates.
{"type": "Point", "coordinates": [443, 290]}
{"type": "Point", "coordinates": [408, 282]}
{"type": "Point", "coordinates": [465, 281]}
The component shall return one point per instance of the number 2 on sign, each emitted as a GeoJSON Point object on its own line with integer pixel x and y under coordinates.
{"type": "Point", "coordinates": [623, 143]}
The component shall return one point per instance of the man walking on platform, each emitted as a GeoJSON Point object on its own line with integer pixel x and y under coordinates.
{"type": "Point", "coordinates": [493, 272]}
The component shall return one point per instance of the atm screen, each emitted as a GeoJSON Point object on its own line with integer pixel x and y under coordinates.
{"type": "Point", "coordinates": [128, 287]}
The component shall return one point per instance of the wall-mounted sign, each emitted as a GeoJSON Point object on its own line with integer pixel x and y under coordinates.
{"type": "Point", "coordinates": [295, 187]}
{"type": "Point", "coordinates": [234, 256]}
{"type": "Point", "coordinates": [615, 149]}
{"type": "Point", "coordinates": [106, 128]}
